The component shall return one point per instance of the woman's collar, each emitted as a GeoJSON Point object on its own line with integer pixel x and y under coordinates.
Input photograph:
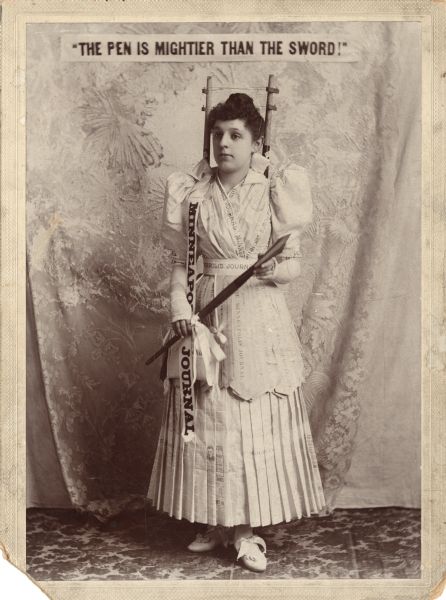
{"type": "Point", "coordinates": [250, 178]}
{"type": "Point", "coordinates": [259, 163]}
{"type": "Point", "coordinates": [200, 170]}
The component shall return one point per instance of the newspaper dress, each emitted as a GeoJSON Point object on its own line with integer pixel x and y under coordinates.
{"type": "Point", "coordinates": [252, 459]}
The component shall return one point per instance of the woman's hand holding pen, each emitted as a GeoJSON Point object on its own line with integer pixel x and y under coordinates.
{"type": "Point", "coordinates": [267, 270]}
{"type": "Point", "coordinates": [182, 327]}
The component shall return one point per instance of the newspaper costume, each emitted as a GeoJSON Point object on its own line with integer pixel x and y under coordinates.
{"type": "Point", "coordinates": [251, 458]}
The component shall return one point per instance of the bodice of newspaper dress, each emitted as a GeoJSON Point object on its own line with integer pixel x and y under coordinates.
{"type": "Point", "coordinates": [262, 348]}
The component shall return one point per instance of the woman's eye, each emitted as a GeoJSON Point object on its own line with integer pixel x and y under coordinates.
{"type": "Point", "coordinates": [235, 136]}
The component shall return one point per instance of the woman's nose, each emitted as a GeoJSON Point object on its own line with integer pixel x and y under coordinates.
{"type": "Point", "coordinates": [224, 140]}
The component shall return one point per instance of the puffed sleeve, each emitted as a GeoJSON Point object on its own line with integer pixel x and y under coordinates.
{"type": "Point", "coordinates": [178, 187]}
{"type": "Point", "coordinates": [291, 206]}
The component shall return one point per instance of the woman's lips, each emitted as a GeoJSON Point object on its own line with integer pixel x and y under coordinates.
{"type": "Point", "coordinates": [225, 155]}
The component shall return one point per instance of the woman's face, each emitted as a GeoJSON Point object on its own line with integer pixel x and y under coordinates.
{"type": "Point", "coordinates": [233, 145]}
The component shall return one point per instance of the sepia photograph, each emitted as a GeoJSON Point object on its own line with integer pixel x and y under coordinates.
{"type": "Point", "coordinates": [279, 435]}
{"type": "Point", "coordinates": [223, 299]}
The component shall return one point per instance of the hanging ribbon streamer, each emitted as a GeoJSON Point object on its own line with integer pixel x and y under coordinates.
{"type": "Point", "coordinates": [207, 345]}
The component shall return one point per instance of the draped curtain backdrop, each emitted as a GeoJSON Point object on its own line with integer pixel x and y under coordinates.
{"type": "Point", "coordinates": [102, 138]}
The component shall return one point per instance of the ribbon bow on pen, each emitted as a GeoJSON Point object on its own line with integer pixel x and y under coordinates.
{"type": "Point", "coordinates": [206, 344]}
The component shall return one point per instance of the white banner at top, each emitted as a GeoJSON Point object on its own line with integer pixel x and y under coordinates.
{"type": "Point", "coordinates": [191, 47]}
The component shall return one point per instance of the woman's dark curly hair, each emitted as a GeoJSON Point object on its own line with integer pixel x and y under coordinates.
{"type": "Point", "coordinates": [239, 106]}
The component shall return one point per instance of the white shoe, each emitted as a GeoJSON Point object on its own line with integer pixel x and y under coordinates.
{"type": "Point", "coordinates": [251, 553]}
{"type": "Point", "coordinates": [210, 539]}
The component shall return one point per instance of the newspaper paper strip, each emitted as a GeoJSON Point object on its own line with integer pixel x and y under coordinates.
{"type": "Point", "coordinates": [187, 356]}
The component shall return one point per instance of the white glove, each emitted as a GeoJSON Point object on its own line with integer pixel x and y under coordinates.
{"type": "Point", "coordinates": [179, 306]}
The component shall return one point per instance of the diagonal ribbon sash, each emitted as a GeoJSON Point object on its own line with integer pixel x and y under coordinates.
{"type": "Point", "coordinates": [187, 355]}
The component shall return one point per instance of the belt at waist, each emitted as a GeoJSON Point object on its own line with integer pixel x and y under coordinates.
{"type": "Point", "coordinates": [226, 266]}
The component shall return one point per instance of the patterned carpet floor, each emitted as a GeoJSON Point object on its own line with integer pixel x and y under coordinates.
{"type": "Point", "coordinates": [354, 544]}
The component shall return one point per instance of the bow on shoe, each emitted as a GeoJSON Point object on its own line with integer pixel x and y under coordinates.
{"type": "Point", "coordinates": [252, 552]}
{"type": "Point", "coordinates": [246, 545]}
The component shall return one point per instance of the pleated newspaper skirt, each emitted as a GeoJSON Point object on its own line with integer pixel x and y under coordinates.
{"type": "Point", "coordinates": [250, 462]}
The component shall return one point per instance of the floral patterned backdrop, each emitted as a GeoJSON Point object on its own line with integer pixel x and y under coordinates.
{"type": "Point", "coordinates": [102, 138]}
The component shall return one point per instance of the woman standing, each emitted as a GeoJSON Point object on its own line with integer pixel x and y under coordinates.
{"type": "Point", "coordinates": [251, 461]}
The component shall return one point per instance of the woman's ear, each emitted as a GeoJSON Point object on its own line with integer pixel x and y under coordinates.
{"type": "Point", "coordinates": [257, 145]}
